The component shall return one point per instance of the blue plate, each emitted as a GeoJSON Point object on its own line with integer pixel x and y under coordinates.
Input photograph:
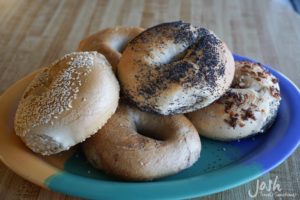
{"type": "Point", "coordinates": [222, 165]}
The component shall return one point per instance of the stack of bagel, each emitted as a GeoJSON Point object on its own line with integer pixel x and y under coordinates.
{"type": "Point", "coordinates": [138, 99]}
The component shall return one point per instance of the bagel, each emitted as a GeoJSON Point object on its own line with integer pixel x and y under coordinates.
{"type": "Point", "coordinates": [110, 42]}
{"type": "Point", "coordinates": [67, 102]}
{"type": "Point", "coordinates": [175, 68]}
{"type": "Point", "coordinates": [248, 107]}
{"type": "Point", "coordinates": [138, 146]}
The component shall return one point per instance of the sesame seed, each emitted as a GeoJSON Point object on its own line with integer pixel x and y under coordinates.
{"type": "Point", "coordinates": [58, 97]}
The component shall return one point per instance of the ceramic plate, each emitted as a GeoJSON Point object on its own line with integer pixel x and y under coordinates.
{"type": "Point", "coordinates": [222, 165]}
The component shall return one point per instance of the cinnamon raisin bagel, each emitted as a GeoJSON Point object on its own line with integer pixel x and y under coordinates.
{"type": "Point", "coordinates": [175, 68]}
{"type": "Point", "coordinates": [248, 107]}
{"type": "Point", "coordinates": [110, 42]}
{"type": "Point", "coordinates": [136, 145]}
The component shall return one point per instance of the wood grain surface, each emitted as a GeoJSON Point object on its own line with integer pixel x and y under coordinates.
{"type": "Point", "coordinates": [34, 33]}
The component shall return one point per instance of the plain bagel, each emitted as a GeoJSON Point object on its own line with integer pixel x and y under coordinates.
{"type": "Point", "coordinates": [67, 102]}
{"type": "Point", "coordinates": [248, 107]}
{"type": "Point", "coordinates": [170, 145]}
{"type": "Point", "coordinates": [110, 42]}
{"type": "Point", "coordinates": [175, 68]}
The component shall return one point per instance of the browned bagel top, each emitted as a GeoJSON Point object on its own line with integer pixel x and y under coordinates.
{"type": "Point", "coordinates": [136, 145]}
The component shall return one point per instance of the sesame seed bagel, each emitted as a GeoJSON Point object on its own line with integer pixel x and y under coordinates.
{"type": "Point", "coordinates": [248, 107]}
{"type": "Point", "coordinates": [110, 42]}
{"type": "Point", "coordinates": [135, 145]}
{"type": "Point", "coordinates": [67, 102]}
{"type": "Point", "coordinates": [175, 68]}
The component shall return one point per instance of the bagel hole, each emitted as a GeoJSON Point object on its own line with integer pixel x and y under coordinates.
{"type": "Point", "coordinates": [178, 57]}
{"type": "Point", "coordinates": [119, 44]}
{"type": "Point", "coordinates": [150, 132]}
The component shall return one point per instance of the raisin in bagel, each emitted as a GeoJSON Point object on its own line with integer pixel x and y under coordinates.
{"type": "Point", "coordinates": [110, 42]}
{"type": "Point", "coordinates": [67, 102]}
{"type": "Point", "coordinates": [248, 107]}
{"type": "Point", "coordinates": [175, 68]}
{"type": "Point", "coordinates": [172, 145]}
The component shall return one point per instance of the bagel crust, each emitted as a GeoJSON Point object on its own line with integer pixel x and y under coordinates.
{"type": "Point", "coordinates": [249, 107]}
{"type": "Point", "coordinates": [175, 68]}
{"type": "Point", "coordinates": [171, 144]}
{"type": "Point", "coordinates": [67, 102]}
{"type": "Point", "coordinates": [110, 42]}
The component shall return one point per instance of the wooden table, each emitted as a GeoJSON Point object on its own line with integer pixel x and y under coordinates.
{"type": "Point", "coordinates": [36, 32]}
